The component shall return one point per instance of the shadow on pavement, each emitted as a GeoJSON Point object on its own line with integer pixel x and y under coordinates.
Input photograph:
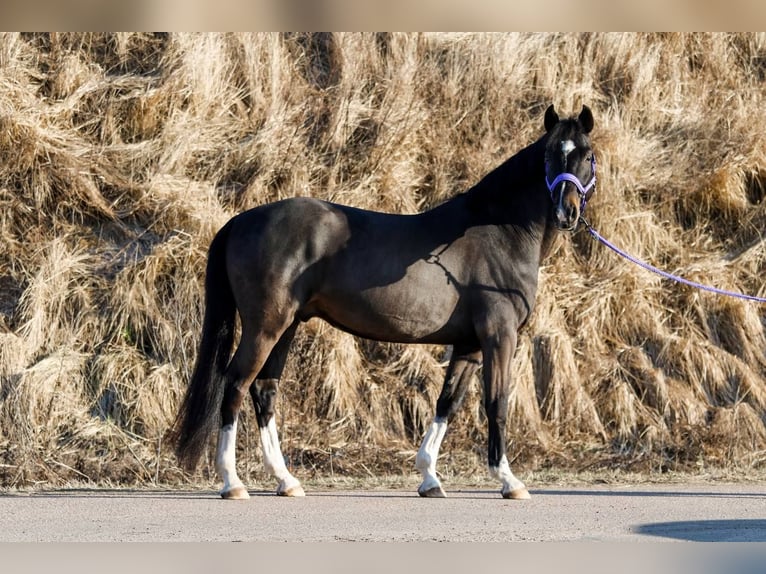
{"type": "Point", "coordinates": [746, 530]}
{"type": "Point", "coordinates": [653, 493]}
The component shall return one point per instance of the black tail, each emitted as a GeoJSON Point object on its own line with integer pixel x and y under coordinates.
{"type": "Point", "coordinates": [200, 412]}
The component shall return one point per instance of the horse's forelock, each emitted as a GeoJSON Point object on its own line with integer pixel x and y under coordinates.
{"type": "Point", "coordinates": [566, 130]}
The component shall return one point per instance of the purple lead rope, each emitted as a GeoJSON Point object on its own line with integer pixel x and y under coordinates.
{"type": "Point", "coordinates": [583, 191]}
{"type": "Point", "coordinates": [665, 274]}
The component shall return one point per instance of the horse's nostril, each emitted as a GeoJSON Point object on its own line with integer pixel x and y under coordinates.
{"type": "Point", "coordinates": [566, 215]}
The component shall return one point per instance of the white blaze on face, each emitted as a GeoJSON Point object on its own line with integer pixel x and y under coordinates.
{"type": "Point", "coordinates": [566, 148]}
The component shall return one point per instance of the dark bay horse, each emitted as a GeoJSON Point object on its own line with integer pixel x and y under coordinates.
{"type": "Point", "coordinates": [463, 274]}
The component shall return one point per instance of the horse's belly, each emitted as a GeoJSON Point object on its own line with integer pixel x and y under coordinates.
{"type": "Point", "coordinates": [394, 291]}
{"type": "Point", "coordinates": [395, 315]}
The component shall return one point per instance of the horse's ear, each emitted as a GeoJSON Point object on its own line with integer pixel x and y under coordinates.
{"type": "Point", "coordinates": [586, 119]}
{"type": "Point", "coordinates": [551, 118]}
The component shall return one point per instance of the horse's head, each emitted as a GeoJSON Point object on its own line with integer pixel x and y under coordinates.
{"type": "Point", "coordinates": [570, 166]}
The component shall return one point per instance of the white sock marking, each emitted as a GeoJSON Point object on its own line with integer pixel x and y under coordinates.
{"type": "Point", "coordinates": [273, 459]}
{"type": "Point", "coordinates": [225, 460]}
{"type": "Point", "coordinates": [504, 474]}
{"type": "Point", "coordinates": [428, 453]}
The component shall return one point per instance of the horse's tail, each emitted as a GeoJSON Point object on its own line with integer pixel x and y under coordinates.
{"type": "Point", "coordinates": [200, 411]}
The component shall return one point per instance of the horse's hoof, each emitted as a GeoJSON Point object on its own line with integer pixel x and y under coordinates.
{"type": "Point", "coordinates": [235, 493]}
{"type": "Point", "coordinates": [294, 491]}
{"type": "Point", "coordinates": [518, 494]}
{"type": "Point", "coordinates": [433, 492]}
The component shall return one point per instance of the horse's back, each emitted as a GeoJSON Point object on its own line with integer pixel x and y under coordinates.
{"type": "Point", "coordinates": [284, 234]}
{"type": "Point", "coordinates": [374, 274]}
{"type": "Point", "coordinates": [302, 231]}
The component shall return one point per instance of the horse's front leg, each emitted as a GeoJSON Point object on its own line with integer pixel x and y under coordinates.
{"type": "Point", "coordinates": [264, 393]}
{"type": "Point", "coordinates": [463, 365]}
{"type": "Point", "coordinates": [498, 354]}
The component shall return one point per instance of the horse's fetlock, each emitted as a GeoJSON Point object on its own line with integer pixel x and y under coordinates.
{"type": "Point", "coordinates": [423, 461]}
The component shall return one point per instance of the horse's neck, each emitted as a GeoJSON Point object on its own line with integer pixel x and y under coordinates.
{"type": "Point", "coordinates": [525, 168]}
{"type": "Point", "coordinates": [549, 237]}
{"type": "Point", "coordinates": [514, 194]}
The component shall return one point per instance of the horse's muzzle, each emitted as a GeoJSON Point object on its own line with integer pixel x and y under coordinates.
{"type": "Point", "coordinates": [567, 212]}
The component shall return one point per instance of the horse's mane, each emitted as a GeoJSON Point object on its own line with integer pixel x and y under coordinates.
{"type": "Point", "coordinates": [507, 182]}
{"type": "Point", "coordinates": [510, 178]}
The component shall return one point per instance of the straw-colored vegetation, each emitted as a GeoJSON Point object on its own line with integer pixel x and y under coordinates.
{"type": "Point", "coordinates": [122, 154]}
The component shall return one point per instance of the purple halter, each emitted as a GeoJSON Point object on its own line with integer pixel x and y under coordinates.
{"type": "Point", "coordinates": [570, 177]}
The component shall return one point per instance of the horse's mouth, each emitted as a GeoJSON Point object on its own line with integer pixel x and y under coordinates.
{"type": "Point", "coordinates": [566, 220]}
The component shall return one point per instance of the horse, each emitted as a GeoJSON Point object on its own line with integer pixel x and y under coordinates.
{"type": "Point", "coordinates": [462, 274]}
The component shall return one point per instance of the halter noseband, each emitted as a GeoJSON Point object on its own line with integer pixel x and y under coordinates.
{"type": "Point", "coordinates": [572, 178]}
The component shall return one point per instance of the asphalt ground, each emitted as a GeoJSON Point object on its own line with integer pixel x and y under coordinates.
{"type": "Point", "coordinates": [607, 513]}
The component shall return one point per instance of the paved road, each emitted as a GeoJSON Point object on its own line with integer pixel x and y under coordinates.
{"type": "Point", "coordinates": [605, 513]}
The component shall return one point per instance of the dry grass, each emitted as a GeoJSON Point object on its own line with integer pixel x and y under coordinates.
{"type": "Point", "coordinates": [124, 153]}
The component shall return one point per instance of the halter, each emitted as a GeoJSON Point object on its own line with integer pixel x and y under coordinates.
{"type": "Point", "coordinates": [572, 178]}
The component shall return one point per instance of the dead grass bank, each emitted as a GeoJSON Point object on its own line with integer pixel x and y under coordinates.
{"type": "Point", "coordinates": [124, 153]}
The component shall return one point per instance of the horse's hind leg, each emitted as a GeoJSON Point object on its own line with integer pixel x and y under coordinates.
{"type": "Point", "coordinates": [264, 395]}
{"type": "Point", "coordinates": [461, 368]}
{"type": "Point", "coordinates": [250, 356]}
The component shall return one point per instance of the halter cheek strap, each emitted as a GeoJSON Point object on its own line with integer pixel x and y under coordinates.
{"type": "Point", "coordinates": [570, 177]}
